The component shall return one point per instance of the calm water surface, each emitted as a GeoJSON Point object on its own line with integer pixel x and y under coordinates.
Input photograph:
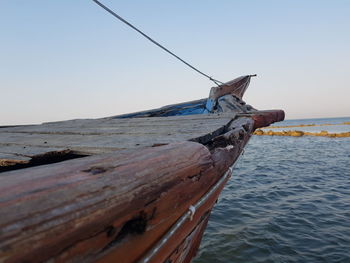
{"type": "Point", "coordinates": [288, 201]}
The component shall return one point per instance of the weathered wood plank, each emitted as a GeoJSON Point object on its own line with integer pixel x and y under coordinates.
{"type": "Point", "coordinates": [121, 141]}
{"type": "Point", "coordinates": [150, 120]}
{"type": "Point", "coordinates": [126, 123]}
{"type": "Point", "coordinates": [88, 203]}
{"type": "Point", "coordinates": [101, 206]}
{"type": "Point", "coordinates": [195, 127]}
{"type": "Point", "coordinates": [101, 136]}
{"type": "Point", "coordinates": [104, 135]}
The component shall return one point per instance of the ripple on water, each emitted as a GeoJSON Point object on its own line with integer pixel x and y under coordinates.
{"type": "Point", "coordinates": [289, 201]}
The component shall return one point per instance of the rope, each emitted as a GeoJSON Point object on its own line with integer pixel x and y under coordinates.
{"type": "Point", "coordinates": [217, 82]}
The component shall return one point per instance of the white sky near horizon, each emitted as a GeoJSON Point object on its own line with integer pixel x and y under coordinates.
{"type": "Point", "coordinates": [70, 59]}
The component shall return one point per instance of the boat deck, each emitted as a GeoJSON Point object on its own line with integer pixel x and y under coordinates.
{"type": "Point", "coordinates": [25, 144]}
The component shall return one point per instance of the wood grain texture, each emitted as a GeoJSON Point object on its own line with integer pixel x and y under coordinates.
{"type": "Point", "coordinates": [116, 205]}
{"type": "Point", "coordinates": [76, 209]}
{"type": "Point", "coordinates": [21, 144]}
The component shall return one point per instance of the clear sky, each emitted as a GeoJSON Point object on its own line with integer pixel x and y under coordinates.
{"type": "Point", "coordinates": [70, 59]}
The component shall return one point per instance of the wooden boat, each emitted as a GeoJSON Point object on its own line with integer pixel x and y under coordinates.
{"type": "Point", "coordinates": [132, 188]}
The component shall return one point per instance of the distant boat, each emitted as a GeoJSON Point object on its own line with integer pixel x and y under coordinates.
{"type": "Point", "coordinates": [131, 188]}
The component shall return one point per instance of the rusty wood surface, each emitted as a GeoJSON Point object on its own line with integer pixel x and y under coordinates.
{"type": "Point", "coordinates": [88, 137]}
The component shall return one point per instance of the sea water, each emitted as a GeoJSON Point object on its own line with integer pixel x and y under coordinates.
{"type": "Point", "coordinates": [287, 201]}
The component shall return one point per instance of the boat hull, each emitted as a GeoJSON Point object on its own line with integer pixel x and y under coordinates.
{"type": "Point", "coordinates": [131, 188]}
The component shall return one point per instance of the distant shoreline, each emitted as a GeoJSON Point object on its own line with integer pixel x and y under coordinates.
{"type": "Point", "coordinates": [296, 133]}
{"type": "Point", "coordinates": [306, 125]}
{"type": "Point", "coordinates": [320, 118]}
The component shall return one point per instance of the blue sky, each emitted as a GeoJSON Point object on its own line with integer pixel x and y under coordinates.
{"type": "Point", "coordinates": [70, 59]}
